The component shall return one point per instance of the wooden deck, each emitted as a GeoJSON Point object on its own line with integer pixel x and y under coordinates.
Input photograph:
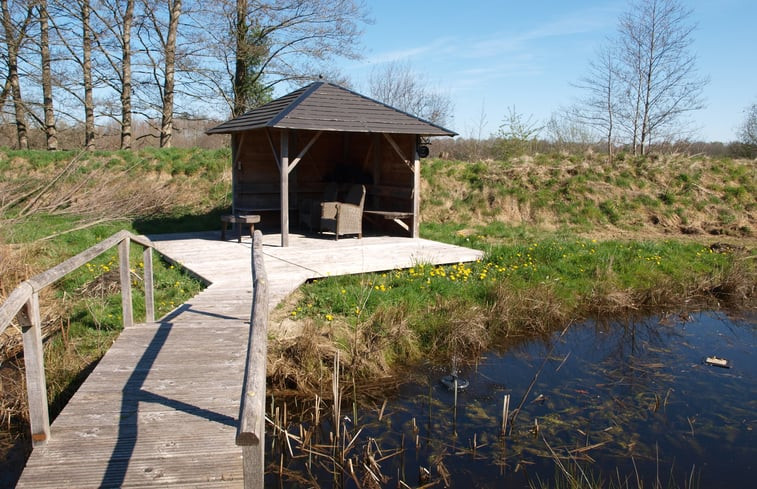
{"type": "Point", "coordinates": [161, 407]}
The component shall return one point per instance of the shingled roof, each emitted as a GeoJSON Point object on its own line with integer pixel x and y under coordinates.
{"type": "Point", "coordinates": [324, 106]}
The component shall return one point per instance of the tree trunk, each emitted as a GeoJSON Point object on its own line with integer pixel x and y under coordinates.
{"type": "Point", "coordinates": [89, 105]}
{"type": "Point", "coordinates": [47, 79]}
{"type": "Point", "coordinates": [6, 90]}
{"type": "Point", "coordinates": [166, 126]}
{"type": "Point", "coordinates": [648, 73]}
{"type": "Point", "coordinates": [126, 125]}
{"type": "Point", "coordinates": [240, 68]}
{"type": "Point", "coordinates": [12, 43]}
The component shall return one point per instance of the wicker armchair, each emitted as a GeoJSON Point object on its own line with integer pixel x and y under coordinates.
{"type": "Point", "coordinates": [345, 217]}
{"type": "Point", "coordinates": [310, 209]}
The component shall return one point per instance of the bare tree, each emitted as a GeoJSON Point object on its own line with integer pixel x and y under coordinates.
{"type": "Point", "coordinates": [89, 103]}
{"type": "Point", "coordinates": [568, 130]}
{"type": "Point", "coordinates": [72, 27]}
{"type": "Point", "coordinates": [661, 83]}
{"type": "Point", "coordinates": [51, 134]}
{"type": "Point", "coordinates": [14, 34]}
{"type": "Point", "coordinates": [600, 103]}
{"type": "Point", "coordinates": [119, 58]}
{"type": "Point", "coordinates": [115, 20]}
{"type": "Point", "coordinates": [158, 36]}
{"type": "Point", "coordinates": [258, 45]}
{"type": "Point", "coordinates": [748, 132]}
{"type": "Point", "coordinates": [396, 84]}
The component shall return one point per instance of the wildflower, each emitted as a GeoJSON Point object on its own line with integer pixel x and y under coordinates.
{"type": "Point", "coordinates": [329, 317]}
{"type": "Point", "coordinates": [293, 313]}
{"type": "Point", "coordinates": [344, 291]}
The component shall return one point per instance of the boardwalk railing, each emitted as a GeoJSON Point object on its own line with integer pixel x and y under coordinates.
{"type": "Point", "coordinates": [251, 428]}
{"type": "Point", "coordinates": [23, 304]}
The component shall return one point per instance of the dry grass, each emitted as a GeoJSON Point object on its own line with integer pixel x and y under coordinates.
{"type": "Point", "coordinates": [671, 194]}
{"type": "Point", "coordinates": [538, 314]}
{"type": "Point", "coordinates": [303, 365]}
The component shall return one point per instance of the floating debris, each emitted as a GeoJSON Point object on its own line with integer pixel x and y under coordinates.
{"type": "Point", "coordinates": [717, 362]}
{"type": "Point", "coordinates": [539, 399]}
{"type": "Point", "coordinates": [449, 381]}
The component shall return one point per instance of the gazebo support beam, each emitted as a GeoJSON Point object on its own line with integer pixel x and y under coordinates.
{"type": "Point", "coordinates": [399, 151]}
{"type": "Point", "coordinates": [284, 171]}
{"type": "Point", "coordinates": [273, 148]}
{"type": "Point", "coordinates": [416, 191]}
{"type": "Point", "coordinates": [304, 150]}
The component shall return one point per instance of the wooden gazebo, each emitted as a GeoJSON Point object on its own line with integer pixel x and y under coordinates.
{"type": "Point", "coordinates": [285, 153]}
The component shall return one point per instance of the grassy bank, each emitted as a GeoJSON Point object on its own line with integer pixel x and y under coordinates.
{"type": "Point", "coordinates": [517, 292]}
{"type": "Point", "coordinates": [663, 194]}
{"type": "Point", "coordinates": [566, 237]}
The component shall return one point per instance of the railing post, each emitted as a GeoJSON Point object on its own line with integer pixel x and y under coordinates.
{"type": "Point", "coordinates": [36, 390]}
{"type": "Point", "coordinates": [125, 275]}
{"type": "Point", "coordinates": [148, 283]}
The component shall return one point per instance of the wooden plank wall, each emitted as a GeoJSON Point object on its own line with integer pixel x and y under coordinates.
{"type": "Point", "coordinates": [342, 157]}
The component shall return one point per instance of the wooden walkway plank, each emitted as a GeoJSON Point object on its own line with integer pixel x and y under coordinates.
{"type": "Point", "coordinates": [161, 407]}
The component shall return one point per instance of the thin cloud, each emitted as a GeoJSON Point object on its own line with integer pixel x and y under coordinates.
{"type": "Point", "coordinates": [434, 47]}
{"type": "Point", "coordinates": [499, 43]}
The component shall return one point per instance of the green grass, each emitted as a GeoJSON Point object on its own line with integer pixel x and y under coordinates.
{"type": "Point", "coordinates": [579, 273]}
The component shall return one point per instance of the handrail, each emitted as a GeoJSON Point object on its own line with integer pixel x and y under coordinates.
{"type": "Point", "coordinates": [13, 303]}
{"type": "Point", "coordinates": [23, 304]}
{"type": "Point", "coordinates": [251, 428]}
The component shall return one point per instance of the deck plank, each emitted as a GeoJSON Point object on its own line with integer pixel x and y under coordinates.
{"type": "Point", "coordinates": [161, 407]}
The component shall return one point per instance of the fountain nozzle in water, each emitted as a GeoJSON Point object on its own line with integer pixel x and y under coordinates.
{"type": "Point", "coordinates": [449, 381]}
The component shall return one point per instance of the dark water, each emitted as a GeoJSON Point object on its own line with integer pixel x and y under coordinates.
{"type": "Point", "coordinates": [620, 400]}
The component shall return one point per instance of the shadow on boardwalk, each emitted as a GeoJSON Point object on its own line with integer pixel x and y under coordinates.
{"type": "Point", "coordinates": [133, 394]}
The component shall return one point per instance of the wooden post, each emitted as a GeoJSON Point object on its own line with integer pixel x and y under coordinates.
{"type": "Point", "coordinates": [416, 190]}
{"type": "Point", "coordinates": [36, 390]}
{"type": "Point", "coordinates": [149, 285]}
{"type": "Point", "coordinates": [376, 173]}
{"type": "Point", "coordinates": [251, 428]}
{"type": "Point", "coordinates": [235, 167]}
{"type": "Point", "coordinates": [125, 275]}
{"type": "Point", "coordinates": [284, 187]}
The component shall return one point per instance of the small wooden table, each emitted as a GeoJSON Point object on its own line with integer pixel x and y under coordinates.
{"type": "Point", "coordinates": [391, 216]}
{"type": "Point", "coordinates": [249, 219]}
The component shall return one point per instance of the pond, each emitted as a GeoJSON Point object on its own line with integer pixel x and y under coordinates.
{"type": "Point", "coordinates": [612, 402]}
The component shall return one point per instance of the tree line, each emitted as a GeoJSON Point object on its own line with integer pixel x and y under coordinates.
{"type": "Point", "coordinates": [67, 63]}
{"type": "Point", "coordinates": [139, 68]}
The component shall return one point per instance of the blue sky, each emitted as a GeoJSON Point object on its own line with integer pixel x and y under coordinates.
{"type": "Point", "coordinates": [491, 55]}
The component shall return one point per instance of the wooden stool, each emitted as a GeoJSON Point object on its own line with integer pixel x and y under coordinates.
{"type": "Point", "coordinates": [250, 219]}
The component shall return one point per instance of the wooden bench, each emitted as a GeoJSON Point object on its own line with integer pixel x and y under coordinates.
{"type": "Point", "coordinates": [249, 219]}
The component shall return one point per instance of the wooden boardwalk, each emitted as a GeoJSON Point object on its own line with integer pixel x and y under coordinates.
{"type": "Point", "coordinates": [161, 407]}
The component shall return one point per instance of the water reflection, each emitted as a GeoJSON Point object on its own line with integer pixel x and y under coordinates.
{"type": "Point", "coordinates": [628, 398]}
